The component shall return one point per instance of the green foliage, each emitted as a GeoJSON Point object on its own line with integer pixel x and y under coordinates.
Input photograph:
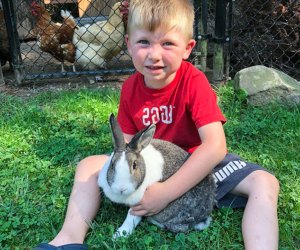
{"type": "Point", "coordinates": [43, 138]}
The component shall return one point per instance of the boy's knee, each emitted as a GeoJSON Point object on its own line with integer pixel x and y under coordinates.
{"type": "Point", "coordinates": [90, 165]}
{"type": "Point", "coordinates": [266, 181]}
{"type": "Point", "coordinates": [272, 181]}
{"type": "Point", "coordinates": [275, 183]}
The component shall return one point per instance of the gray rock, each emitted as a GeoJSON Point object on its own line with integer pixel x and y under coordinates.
{"type": "Point", "coordinates": [263, 85]}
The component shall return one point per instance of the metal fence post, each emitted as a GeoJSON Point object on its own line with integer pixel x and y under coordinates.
{"type": "Point", "coordinates": [196, 52]}
{"type": "Point", "coordinates": [219, 39]}
{"type": "Point", "coordinates": [228, 39]}
{"type": "Point", "coordinates": [13, 37]}
{"type": "Point", "coordinates": [201, 34]}
{"type": "Point", "coordinates": [204, 36]}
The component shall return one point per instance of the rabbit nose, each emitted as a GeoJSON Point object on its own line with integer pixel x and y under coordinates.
{"type": "Point", "coordinates": [122, 190]}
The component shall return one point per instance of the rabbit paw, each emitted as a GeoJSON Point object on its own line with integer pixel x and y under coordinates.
{"type": "Point", "coordinates": [128, 226]}
{"type": "Point", "coordinates": [203, 225]}
{"type": "Point", "coordinates": [122, 232]}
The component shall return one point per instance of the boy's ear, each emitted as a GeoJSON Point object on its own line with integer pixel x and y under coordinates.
{"type": "Point", "coordinates": [128, 44]}
{"type": "Point", "coordinates": [189, 47]}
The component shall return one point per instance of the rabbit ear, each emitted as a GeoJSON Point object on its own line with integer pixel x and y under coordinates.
{"type": "Point", "coordinates": [117, 135]}
{"type": "Point", "coordinates": [142, 138]}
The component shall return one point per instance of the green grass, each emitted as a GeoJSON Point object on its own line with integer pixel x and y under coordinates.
{"type": "Point", "coordinates": [42, 139]}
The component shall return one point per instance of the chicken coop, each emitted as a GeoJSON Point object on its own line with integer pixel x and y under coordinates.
{"type": "Point", "coordinates": [42, 33]}
{"type": "Point", "coordinates": [51, 39]}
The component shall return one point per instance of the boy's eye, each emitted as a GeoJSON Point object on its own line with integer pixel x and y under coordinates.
{"type": "Point", "coordinates": [145, 42]}
{"type": "Point", "coordinates": [168, 43]}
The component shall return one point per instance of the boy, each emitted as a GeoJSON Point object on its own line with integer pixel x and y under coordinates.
{"type": "Point", "coordinates": [178, 98]}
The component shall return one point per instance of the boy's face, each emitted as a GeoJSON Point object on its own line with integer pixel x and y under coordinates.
{"type": "Point", "coordinates": [158, 55]}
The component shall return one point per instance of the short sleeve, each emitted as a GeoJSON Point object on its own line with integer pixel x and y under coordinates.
{"type": "Point", "coordinates": [203, 102]}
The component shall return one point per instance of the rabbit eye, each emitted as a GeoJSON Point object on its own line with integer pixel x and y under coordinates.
{"type": "Point", "coordinates": [134, 165]}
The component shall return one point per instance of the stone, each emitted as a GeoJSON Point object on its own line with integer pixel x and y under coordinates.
{"type": "Point", "coordinates": [263, 85]}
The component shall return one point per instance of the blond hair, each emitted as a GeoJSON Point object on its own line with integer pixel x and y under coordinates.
{"type": "Point", "coordinates": [165, 14]}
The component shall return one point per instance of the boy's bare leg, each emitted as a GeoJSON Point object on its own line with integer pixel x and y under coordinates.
{"type": "Point", "coordinates": [83, 203]}
{"type": "Point", "coordinates": [260, 222]}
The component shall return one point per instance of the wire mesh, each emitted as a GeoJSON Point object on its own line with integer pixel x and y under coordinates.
{"type": "Point", "coordinates": [266, 32]}
{"type": "Point", "coordinates": [47, 46]}
{"type": "Point", "coordinates": [256, 32]}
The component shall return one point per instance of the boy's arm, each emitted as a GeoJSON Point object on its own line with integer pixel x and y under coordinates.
{"type": "Point", "coordinates": [199, 164]}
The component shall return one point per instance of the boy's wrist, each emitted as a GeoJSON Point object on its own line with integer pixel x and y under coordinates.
{"type": "Point", "coordinates": [170, 192]}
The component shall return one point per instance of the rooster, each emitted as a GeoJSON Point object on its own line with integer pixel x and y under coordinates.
{"type": "Point", "coordinates": [96, 43]}
{"type": "Point", "coordinates": [55, 38]}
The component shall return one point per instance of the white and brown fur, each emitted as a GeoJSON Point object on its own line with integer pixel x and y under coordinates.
{"type": "Point", "coordinates": [133, 167]}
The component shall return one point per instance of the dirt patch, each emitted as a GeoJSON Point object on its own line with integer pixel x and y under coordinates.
{"type": "Point", "coordinates": [35, 61]}
{"type": "Point", "coordinates": [37, 87]}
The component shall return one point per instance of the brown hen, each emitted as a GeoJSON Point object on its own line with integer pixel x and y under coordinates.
{"type": "Point", "coordinates": [55, 38]}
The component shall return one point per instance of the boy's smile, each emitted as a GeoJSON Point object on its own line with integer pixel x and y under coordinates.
{"type": "Point", "coordinates": [158, 55]}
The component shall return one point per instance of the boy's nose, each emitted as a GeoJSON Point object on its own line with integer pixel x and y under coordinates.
{"type": "Point", "coordinates": [154, 53]}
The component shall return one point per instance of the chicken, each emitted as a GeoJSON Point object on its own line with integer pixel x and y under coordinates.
{"type": "Point", "coordinates": [96, 43]}
{"type": "Point", "coordinates": [4, 43]}
{"type": "Point", "coordinates": [55, 38]}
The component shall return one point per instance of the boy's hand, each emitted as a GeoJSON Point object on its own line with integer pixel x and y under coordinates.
{"type": "Point", "coordinates": [154, 200]}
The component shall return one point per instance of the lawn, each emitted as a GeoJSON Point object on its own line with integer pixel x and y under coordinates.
{"type": "Point", "coordinates": [43, 137]}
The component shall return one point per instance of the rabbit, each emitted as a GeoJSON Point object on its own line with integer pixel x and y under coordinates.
{"type": "Point", "coordinates": [132, 167]}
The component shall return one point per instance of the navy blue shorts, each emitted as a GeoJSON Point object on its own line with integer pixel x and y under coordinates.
{"type": "Point", "coordinates": [227, 174]}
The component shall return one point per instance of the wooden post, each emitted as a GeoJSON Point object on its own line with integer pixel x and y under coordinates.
{"type": "Point", "coordinates": [203, 54]}
{"type": "Point", "coordinates": [92, 8]}
{"type": "Point", "coordinates": [83, 5]}
{"type": "Point", "coordinates": [88, 8]}
{"type": "Point", "coordinates": [1, 76]}
{"type": "Point", "coordinates": [218, 64]}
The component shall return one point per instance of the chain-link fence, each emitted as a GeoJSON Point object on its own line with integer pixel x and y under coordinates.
{"type": "Point", "coordinates": [67, 38]}
{"type": "Point", "coordinates": [266, 32]}
{"type": "Point", "coordinates": [47, 38]}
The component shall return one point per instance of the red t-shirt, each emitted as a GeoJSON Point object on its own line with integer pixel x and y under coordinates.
{"type": "Point", "coordinates": [178, 109]}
